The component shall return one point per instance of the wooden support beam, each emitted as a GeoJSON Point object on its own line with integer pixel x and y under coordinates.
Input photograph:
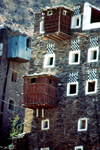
{"type": "Point", "coordinates": [51, 38]}
{"type": "Point", "coordinates": [79, 34]}
{"type": "Point", "coordinates": [65, 35]}
{"type": "Point", "coordinates": [58, 36]}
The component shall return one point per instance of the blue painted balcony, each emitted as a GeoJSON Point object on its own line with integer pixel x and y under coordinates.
{"type": "Point", "coordinates": [19, 48]}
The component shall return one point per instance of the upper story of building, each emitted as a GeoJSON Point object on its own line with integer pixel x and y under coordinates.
{"type": "Point", "coordinates": [60, 22]}
{"type": "Point", "coordinates": [14, 45]}
{"type": "Point", "coordinates": [66, 47]}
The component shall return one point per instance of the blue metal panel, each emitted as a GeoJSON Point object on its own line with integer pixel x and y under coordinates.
{"type": "Point", "coordinates": [13, 47]}
{"type": "Point", "coordinates": [17, 48]}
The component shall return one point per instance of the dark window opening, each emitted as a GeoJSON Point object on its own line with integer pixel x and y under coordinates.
{"type": "Point", "coordinates": [14, 77]}
{"type": "Point", "coordinates": [95, 55]}
{"type": "Point", "coordinates": [45, 125]}
{"type": "Point", "coordinates": [77, 22]}
{"type": "Point", "coordinates": [73, 89]}
{"type": "Point", "coordinates": [49, 12]}
{"type": "Point", "coordinates": [51, 61]}
{"type": "Point", "coordinates": [0, 60]}
{"type": "Point", "coordinates": [28, 43]}
{"type": "Point", "coordinates": [95, 15]}
{"type": "Point", "coordinates": [33, 80]}
{"type": "Point", "coordinates": [83, 124]}
{"type": "Point", "coordinates": [50, 81]}
{"type": "Point", "coordinates": [11, 105]}
{"type": "Point", "coordinates": [76, 57]}
{"type": "Point", "coordinates": [91, 86]}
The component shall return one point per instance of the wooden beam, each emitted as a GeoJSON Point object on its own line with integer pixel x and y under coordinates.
{"type": "Point", "coordinates": [65, 35]}
{"type": "Point", "coordinates": [79, 34]}
{"type": "Point", "coordinates": [51, 38]}
{"type": "Point", "coordinates": [57, 37]}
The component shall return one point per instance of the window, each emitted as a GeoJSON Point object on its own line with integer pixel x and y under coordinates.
{"type": "Point", "coordinates": [78, 148]}
{"type": "Point", "coordinates": [28, 43]}
{"type": "Point", "coordinates": [49, 60]}
{"type": "Point", "coordinates": [74, 57]}
{"type": "Point", "coordinates": [64, 12]}
{"type": "Point", "coordinates": [76, 22]}
{"type": "Point", "coordinates": [45, 124]}
{"type": "Point", "coordinates": [11, 105]}
{"type": "Point", "coordinates": [44, 148]}
{"type": "Point", "coordinates": [35, 148]}
{"type": "Point", "coordinates": [91, 86]}
{"type": "Point", "coordinates": [0, 60]}
{"type": "Point", "coordinates": [50, 81]}
{"type": "Point", "coordinates": [93, 54]}
{"type": "Point", "coordinates": [72, 89]}
{"type": "Point", "coordinates": [33, 80]}
{"type": "Point", "coordinates": [91, 17]}
{"type": "Point", "coordinates": [82, 124]}
{"type": "Point", "coordinates": [49, 13]}
{"type": "Point", "coordinates": [14, 77]}
{"type": "Point", "coordinates": [1, 48]}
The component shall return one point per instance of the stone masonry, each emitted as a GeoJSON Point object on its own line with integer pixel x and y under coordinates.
{"type": "Point", "coordinates": [63, 132]}
{"type": "Point", "coordinates": [10, 89]}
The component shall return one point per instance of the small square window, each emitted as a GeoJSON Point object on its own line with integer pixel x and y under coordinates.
{"type": "Point", "coordinates": [82, 124]}
{"type": "Point", "coordinates": [78, 148]}
{"type": "Point", "coordinates": [49, 60]}
{"type": "Point", "coordinates": [33, 80]}
{"type": "Point", "coordinates": [49, 13]}
{"type": "Point", "coordinates": [14, 77]}
{"type": "Point", "coordinates": [93, 54]}
{"type": "Point", "coordinates": [74, 57]}
{"type": "Point", "coordinates": [45, 124]}
{"type": "Point", "coordinates": [76, 22]}
{"type": "Point", "coordinates": [11, 105]}
{"type": "Point", "coordinates": [72, 89]}
{"type": "Point", "coordinates": [91, 86]}
{"type": "Point", "coordinates": [64, 12]}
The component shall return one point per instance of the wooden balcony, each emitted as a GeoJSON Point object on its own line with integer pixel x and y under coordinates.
{"type": "Point", "coordinates": [39, 91]}
{"type": "Point", "coordinates": [57, 24]}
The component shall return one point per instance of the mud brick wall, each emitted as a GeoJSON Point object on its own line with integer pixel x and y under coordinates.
{"type": "Point", "coordinates": [63, 133]}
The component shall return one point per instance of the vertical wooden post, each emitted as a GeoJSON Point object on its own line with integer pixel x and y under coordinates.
{"type": "Point", "coordinates": [42, 112]}
{"type": "Point", "coordinates": [59, 20]}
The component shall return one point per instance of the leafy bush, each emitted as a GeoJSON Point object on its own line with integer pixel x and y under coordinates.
{"type": "Point", "coordinates": [16, 126]}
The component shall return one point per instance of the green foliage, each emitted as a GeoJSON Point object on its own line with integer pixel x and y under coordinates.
{"type": "Point", "coordinates": [16, 126]}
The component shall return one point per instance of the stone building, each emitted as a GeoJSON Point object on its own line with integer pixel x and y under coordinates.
{"type": "Point", "coordinates": [61, 93]}
{"type": "Point", "coordinates": [14, 62]}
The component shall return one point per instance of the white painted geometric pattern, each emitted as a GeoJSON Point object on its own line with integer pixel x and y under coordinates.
{"type": "Point", "coordinates": [75, 45]}
{"type": "Point", "coordinates": [93, 42]}
{"type": "Point", "coordinates": [50, 48]}
{"type": "Point", "coordinates": [92, 74]}
{"type": "Point", "coordinates": [76, 10]}
{"type": "Point", "coordinates": [73, 77]}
